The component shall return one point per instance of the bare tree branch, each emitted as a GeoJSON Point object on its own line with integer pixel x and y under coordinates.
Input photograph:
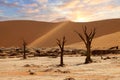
{"type": "Point", "coordinates": [87, 41]}
{"type": "Point", "coordinates": [81, 37]}
{"type": "Point", "coordinates": [61, 44]}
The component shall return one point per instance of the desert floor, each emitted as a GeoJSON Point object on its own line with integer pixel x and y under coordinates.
{"type": "Point", "coordinates": [45, 68]}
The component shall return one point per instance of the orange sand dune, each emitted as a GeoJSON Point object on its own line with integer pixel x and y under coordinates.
{"type": "Point", "coordinates": [103, 42]}
{"type": "Point", "coordinates": [44, 34]}
{"type": "Point", "coordinates": [13, 32]}
{"type": "Point", "coordinates": [67, 29]}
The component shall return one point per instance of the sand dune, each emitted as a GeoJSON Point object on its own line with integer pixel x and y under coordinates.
{"type": "Point", "coordinates": [49, 40]}
{"type": "Point", "coordinates": [44, 34]}
{"type": "Point", "coordinates": [103, 42]}
{"type": "Point", "coordinates": [13, 32]}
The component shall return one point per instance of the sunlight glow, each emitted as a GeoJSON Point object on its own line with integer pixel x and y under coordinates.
{"type": "Point", "coordinates": [81, 20]}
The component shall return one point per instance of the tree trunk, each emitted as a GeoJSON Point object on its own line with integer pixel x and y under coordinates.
{"type": "Point", "coordinates": [88, 57]}
{"type": "Point", "coordinates": [87, 41]}
{"type": "Point", "coordinates": [24, 52]}
{"type": "Point", "coordinates": [61, 46]}
{"type": "Point", "coordinates": [61, 59]}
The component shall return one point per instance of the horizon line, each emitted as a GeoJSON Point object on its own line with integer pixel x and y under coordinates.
{"type": "Point", "coordinates": [58, 21]}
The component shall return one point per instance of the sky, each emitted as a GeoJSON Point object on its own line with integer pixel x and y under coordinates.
{"type": "Point", "coordinates": [59, 10]}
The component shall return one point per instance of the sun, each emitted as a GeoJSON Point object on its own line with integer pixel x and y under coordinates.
{"type": "Point", "coordinates": [81, 20]}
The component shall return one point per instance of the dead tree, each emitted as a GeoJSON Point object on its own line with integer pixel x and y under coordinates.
{"type": "Point", "coordinates": [24, 50]}
{"type": "Point", "coordinates": [87, 41]}
{"type": "Point", "coordinates": [61, 44]}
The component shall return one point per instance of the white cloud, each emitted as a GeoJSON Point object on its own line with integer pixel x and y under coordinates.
{"type": "Point", "coordinates": [30, 11]}
{"type": "Point", "coordinates": [95, 2]}
{"type": "Point", "coordinates": [31, 5]}
{"type": "Point", "coordinates": [42, 1]}
{"type": "Point", "coordinates": [64, 9]}
{"type": "Point", "coordinates": [7, 4]}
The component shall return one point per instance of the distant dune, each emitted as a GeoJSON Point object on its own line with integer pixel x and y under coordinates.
{"type": "Point", "coordinates": [44, 34]}
{"type": "Point", "coordinates": [13, 32]}
{"type": "Point", "coordinates": [67, 29]}
{"type": "Point", "coordinates": [104, 42]}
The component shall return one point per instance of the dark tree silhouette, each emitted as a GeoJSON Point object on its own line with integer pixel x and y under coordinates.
{"type": "Point", "coordinates": [87, 41]}
{"type": "Point", "coordinates": [24, 49]}
{"type": "Point", "coordinates": [61, 44]}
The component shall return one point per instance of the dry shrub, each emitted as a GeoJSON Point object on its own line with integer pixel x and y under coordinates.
{"type": "Point", "coordinates": [69, 78]}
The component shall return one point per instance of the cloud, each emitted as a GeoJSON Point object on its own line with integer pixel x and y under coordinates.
{"type": "Point", "coordinates": [42, 1]}
{"type": "Point", "coordinates": [38, 11]}
{"type": "Point", "coordinates": [1, 11]}
{"type": "Point", "coordinates": [31, 5]}
{"type": "Point", "coordinates": [7, 4]}
{"type": "Point", "coordinates": [71, 5]}
{"type": "Point", "coordinates": [73, 10]}
{"type": "Point", "coordinates": [29, 11]}
{"type": "Point", "coordinates": [107, 12]}
{"type": "Point", "coordinates": [58, 10]}
{"type": "Point", "coordinates": [3, 18]}
{"type": "Point", "coordinates": [95, 2]}
{"type": "Point", "coordinates": [85, 10]}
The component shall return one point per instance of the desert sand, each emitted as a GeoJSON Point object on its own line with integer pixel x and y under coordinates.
{"type": "Point", "coordinates": [44, 34]}
{"type": "Point", "coordinates": [46, 68]}
{"type": "Point", "coordinates": [67, 29]}
{"type": "Point", "coordinates": [13, 32]}
{"type": "Point", "coordinates": [102, 42]}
